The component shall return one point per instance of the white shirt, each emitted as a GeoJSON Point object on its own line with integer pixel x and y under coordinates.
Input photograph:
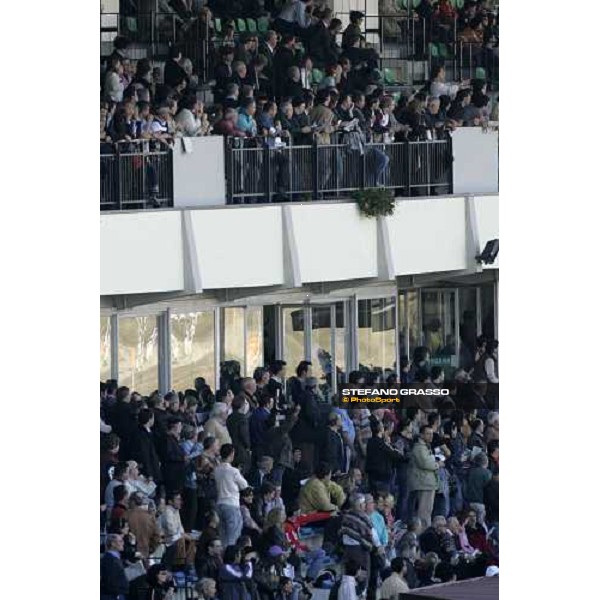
{"type": "Point", "coordinates": [440, 88]}
{"type": "Point", "coordinates": [189, 124]}
{"type": "Point", "coordinates": [347, 590]}
{"type": "Point", "coordinates": [113, 87]}
{"type": "Point", "coordinates": [230, 482]}
{"type": "Point", "coordinates": [490, 370]}
{"type": "Point", "coordinates": [170, 522]}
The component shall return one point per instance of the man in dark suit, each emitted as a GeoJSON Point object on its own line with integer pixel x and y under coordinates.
{"type": "Point", "coordinates": [319, 41]}
{"type": "Point", "coordinates": [121, 418]}
{"type": "Point", "coordinates": [261, 472]}
{"type": "Point", "coordinates": [113, 582]}
{"type": "Point", "coordinates": [332, 450]}
{"type": "Point", "coordinates": [284, 58]}
{"type": "Point", "coordinates": [267, 49]}
{"type": "Point", "coordinates": [143, 448]}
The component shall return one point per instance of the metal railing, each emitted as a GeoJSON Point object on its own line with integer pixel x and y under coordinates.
{"type": "Point", "coordinates": [302, 173]}
{"type": "Point", "coordinates": [136, 174]}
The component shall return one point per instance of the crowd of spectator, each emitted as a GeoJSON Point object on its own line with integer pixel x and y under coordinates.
{"type": "Point", "coordinates": [265, 88]}
{"type": "Point", "coordinates": [264, 491]}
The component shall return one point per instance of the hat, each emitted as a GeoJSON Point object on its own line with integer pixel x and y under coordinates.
{"type": "Point", "coordinates": [492, 571]}
{"type": "Point", "coordinates": [356, 14]}
{"type": "Point", "coordinates": [275, 551]}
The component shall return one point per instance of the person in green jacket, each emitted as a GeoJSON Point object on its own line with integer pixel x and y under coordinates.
{"type": "Point", "coordinates": [320, 494]}
{"type": "Point", "coordinates": [423, 477]}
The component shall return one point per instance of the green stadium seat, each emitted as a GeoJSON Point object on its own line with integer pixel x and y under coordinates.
{"type": "Point", "coordinates": [443, 51]}
{"type": "Point", "coordinates": [241, 25]}
{"type": "Point", "coordinates": [263, 24]}
{"type": "Point", "coordinates": [459, 4]}
{"type": "Point", "coordinates": [218, 27]}
{"type": "Point", "coordinates": [251, 25]}
{"type": "Point", "coordinates": [480, 73]}
{"type": "Point", "coordinates": [433, 50]}
{"type": "Point", "coordinates": [389, 77]}
{"type": "Point", "coordinates": [317, 76]}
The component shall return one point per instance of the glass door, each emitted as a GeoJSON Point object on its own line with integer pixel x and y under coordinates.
{"type": "Point", "coordinates": [439, 319]}
{"type": "Point", "coordinates": [327, 343]}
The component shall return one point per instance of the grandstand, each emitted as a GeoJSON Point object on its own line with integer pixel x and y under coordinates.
{"type": "Point", "coordinates": [297, 181]}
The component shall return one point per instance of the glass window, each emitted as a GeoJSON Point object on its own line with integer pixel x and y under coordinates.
{"type": "Point", "coordinates": [340, 342]}
{"type": "Point", "coordinates": [377, 334]}
{"type": "Point", "coordinates": [254, 339]}
{"type": "Point", "coordinates": [439, 326]}
{"type": "Point", "coordinates": [232, 328]}
{"type": "Point", "coordinates": [408, 319]}
{"type": "Point", "coordinates": [192, 349]}
{"type": "Point", "coordinates": [104, 348]}
{"type": "Point", "coordinates": [138, 353]}
{"type": "Point", "coordinates": [321, 355]}
{"type": "Point", "coordinates": [293, 336]}
{"type": "Point", "coordinates": [488, 315]}
{"type": "Point", "coordinates": [468, 325]}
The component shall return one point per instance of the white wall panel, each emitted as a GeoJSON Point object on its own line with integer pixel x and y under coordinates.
{"type": "Point", "coordinates": [334, 242]}
{"type": "Point", "coordinates": [239, 247]}
{"type": "Point", "coordinates": [141, 252]}
{"type": "Point", "coordinates": [428, 235]}
{"type": "Point", "coordinates": [475, 166]}
{"type": "Point", "coordinates": [199, 172]}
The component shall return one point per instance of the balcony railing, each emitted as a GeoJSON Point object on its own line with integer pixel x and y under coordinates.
{"type": "Point", "coordinates": [136, 174]}
{"type": "Point", "coordinates": [303, 173]}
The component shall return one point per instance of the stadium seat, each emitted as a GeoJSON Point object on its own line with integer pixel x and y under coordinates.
{"type": "Point", "coordinates": [241, 25]}
{"type": "Point", "coordinates": [317, 76]}
{"type": "Point", "coordinates": [480, 73]}
{"type": "Point", "coordinates": [251, 25]}
{"type": "Point", "coordinates": [263, 24]}
{"type": "Point", "coordinates": [389, 77]}
{"type": "Point", "coordinates": [433, 50]}
{"type": "Point", "coordinates": [443, 51]}
{"type": "Point", "coordinates": [218, 27]}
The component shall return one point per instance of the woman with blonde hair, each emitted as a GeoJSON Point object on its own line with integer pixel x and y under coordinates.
{"type": "Point", "coordinates": [273, 533]}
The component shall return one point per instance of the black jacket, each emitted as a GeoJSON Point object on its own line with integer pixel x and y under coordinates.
{"type": "Point", "coordinates": [305, 430]}
{"type": "Point", "coordinates": [237, 425]}
{"type": "Point", "coordinates": [266, 52]}
{"type": "Point", "coordinates": [381, 459]}
{"type": "Point", "coordinates": [332, 451]}
{"type": "Point", "coordinates": [174, 465]}
{"type": "Point", "coordinates": [284, 59]}
{"type": "Point", "coordinates": [320, 46]}
{"type": "Point", "coordinates": [144, 452]}
{"type": "Point", "coordinates": [491, 496]}
{"type": "Point", "coordinates": [174, 73]}
{"type": "Point", "coordinates": [123, 421]}
{"type": "Point", "coordinates": [112, 577]}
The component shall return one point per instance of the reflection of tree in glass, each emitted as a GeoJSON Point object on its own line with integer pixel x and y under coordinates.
{"type": "Point", "coordinates": [138, 344]}
{"type": "Point", "coordinates": [104, 343]}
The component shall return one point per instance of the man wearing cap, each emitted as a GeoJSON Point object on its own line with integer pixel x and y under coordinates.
{"type": "Point", "coordinates": [353, 29]}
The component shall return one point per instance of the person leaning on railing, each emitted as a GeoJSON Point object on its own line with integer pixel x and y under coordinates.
{"type": "Point", "coordinates": [191, 119]}
{"type": "Point", "coordinates": [227, 125]}
{"type": "Point", "coordinates": [322, 117]}
{"type": "Point", "coordinates": [246, 121]}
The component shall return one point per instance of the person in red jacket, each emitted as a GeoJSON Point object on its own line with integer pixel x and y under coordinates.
{"type": "Point", "coordinates": [227, 125]}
